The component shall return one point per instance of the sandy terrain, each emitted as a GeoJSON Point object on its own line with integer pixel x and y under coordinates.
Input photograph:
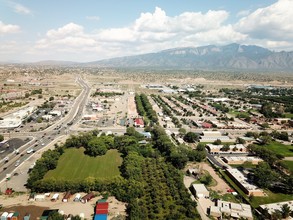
{"type": "Point", "coordinates": [19, 203]}
{"type": "Point", "coordinates": [221, 186]}
{"type": "Point", "coordinates": [132, 112]}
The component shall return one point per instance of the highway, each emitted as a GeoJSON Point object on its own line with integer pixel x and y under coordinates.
{"type": "Point", "coordinates": [43, 138]}
{"type": "Point", "coordinates": [65, 126]}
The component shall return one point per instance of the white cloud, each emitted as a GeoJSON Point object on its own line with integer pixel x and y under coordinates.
{"type": "Point", "coordinates": [93, 18]}
{"type": "Point", "coordinates": [149, 32]}
{"type": "Point", "coordinates": [70, 36]}
{"type": "Point", "coordinates": [8, 28]}
{"type": "Point", "coordinates": [268, 27]}
{"type": "Point", "coordinates": [243, 13]}
{"type": "Point", "coordinates": [20, 9]}
{"type": "Point", "coordinates": [273, 22]}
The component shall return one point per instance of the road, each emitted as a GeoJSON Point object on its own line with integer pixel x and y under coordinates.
{"type": "Point", "coordinates": [43, 138]}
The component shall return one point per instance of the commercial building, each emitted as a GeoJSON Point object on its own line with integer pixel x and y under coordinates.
{"type": "Point", "coordinates": [234, 210]}
{"type": "Point", "coordinates": [218, 149]}
{"type": "Point", "coordinates": [241, 160]}
{"type": "Point", "coordinates": [243, 183]}
{"type": "Point", "coordinates": [272, 207]}
{"type": "Point", "coordinates": [199, 190]}
{"type": "Point", "coordinates": [10, 123]}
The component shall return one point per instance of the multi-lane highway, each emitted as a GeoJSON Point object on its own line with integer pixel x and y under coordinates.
{"type": "Point", "coordinates": [43, 138]}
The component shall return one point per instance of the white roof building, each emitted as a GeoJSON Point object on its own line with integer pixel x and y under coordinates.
{"type": "Point", "coordinates": [10, 123]}
{"type": "Point", "coordinates": [241, 160]}
{"type": "Point", "coordinates": [271, 207]}
{"type": "Point", "coordinates": [242, 182]}
{"type": "Point", "coordinates": [200, 190]}
{"type": "Point", "coordinates": [235, 210]}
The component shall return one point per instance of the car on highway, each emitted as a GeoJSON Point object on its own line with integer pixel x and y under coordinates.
{"type": "Point", "coordinates": [17, 163]}
{"type": "Point", "coordinates": [30, 151]}
{"type": "Point", "coordinates": [6, 159]}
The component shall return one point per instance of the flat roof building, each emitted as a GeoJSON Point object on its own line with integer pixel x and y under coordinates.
{"type": "Point", "coordinates": [241, 160]}
{"type": "Point", "coordinates": [235, 210]}
{"type": "Point", "coordinates": [272, 207]}
{"type": "Point", "coordinates": [242, 182]}
{"type": "Point", "coordinates": [199, 190]}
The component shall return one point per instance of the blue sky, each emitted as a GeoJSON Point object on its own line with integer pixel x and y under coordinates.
{"type": "Point", "coordinates": [86, 30]}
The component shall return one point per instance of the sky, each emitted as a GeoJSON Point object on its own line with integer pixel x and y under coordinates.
{"type": "Point", "coordinates": [89, 30]}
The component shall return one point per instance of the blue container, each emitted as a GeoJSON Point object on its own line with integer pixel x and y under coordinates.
{"type": "Point", "coordinates": [101, 217]}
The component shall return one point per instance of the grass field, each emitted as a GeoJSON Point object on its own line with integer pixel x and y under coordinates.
{"type": "Point", "coordinates": [285, 150]}
{"type": "Point", "coordinates": [270, 198]}
{"type": "Point", "coordinates": [289, 164]}
{"type": "Point", "coordinates": [235, 113]}
{"type": "Point", "coordinates": [74, 165]}
{"type": "Point", "coordinates": [288, 115]}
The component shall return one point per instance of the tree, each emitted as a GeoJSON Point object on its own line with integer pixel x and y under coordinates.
{"type": "Point", "coordinates": [190, 137]}
{"type": "Point", "coordinates": [240, 140]}
{"type": "Point", "coordinates": [200, 147]}
{"type": "Point", "coordinates": [96, 147]}
{"type": "Point", "coordinates": [266, 110]}
{"type": "Point", "coordinates": [182, 131]}
{"type": "Point", "coordinates": [39, 120]}
{"type": "Point", "coordinates": [206, 179]}
{"type": "Point", "coordinates": [51, 98]}
{"type": "Point", "coordinates": [1, 137]}
{"type": "Point", "coordinates": [285, 209]}
{"type": "Point", "coordinates": [266, 139]}
{"type": "Point", "coordinates": [276, 215]}
{"type": "Point", "coordinates": [217, 142]}
{"type": "Point", "coordinates": [226, 147]}
{"type": "Point", "coordinates": [55, 216]}
{"type": "Point", "coordinates": [264, 176]}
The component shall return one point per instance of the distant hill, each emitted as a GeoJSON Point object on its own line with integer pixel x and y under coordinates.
{"type": "Point", "coordinates": [232, 56]}
{"type": "Point", "coordinates": [55, 63]}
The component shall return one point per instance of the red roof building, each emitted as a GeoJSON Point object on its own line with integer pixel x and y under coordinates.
{"type": "Point", "coordinates": [138, 122]}
{"type": "Point", "coordinates": [206, 125]}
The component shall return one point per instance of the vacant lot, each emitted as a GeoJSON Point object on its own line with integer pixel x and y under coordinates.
{"type": "Point", "coordinates": [74, 164]}
{"type": "Point", "coordinates": [285, 150]}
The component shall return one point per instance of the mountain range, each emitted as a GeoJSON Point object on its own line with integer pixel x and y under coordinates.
{"type": "Point", "coordinates": [229, 57]}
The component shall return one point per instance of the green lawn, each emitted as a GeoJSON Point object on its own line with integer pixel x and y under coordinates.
{"type": "Point", "coordinates": [285, 150]}
{"type": "Point", "coordinates": [270, 198]}
{"type": "Point", "coordinates": [226, 197]}
{"type": "Point", "coordinates": [288, 115]}
{"type": "Point", "coordinates": [74, 165]}
{"type": "Point", "coordinates": [235, 113]}
{"type": "Point", "coordinates": [244, 165]}
{"type": "Point", "coordinates": [289, 164]}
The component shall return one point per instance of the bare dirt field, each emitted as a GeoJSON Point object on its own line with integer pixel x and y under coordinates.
{"type": "Point", "coordinates": [221, 186]}
{"type": "Point", "coordinates": [132, 112]}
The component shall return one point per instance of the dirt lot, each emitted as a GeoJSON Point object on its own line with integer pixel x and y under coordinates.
{"type": "Point", "coordinates": [221, 187]}
{"type": "Point", "coordinates": [132, 112]}
{"type": "Point", "coordinates": [22, 205]}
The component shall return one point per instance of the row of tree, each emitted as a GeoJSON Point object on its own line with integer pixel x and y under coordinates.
{"type": "Point", "coordinates": [157, 190]}
{"type": "Point", "coordinates": [107, 94]}
{"type": "Point", "coordinates": [144, 108]}
{"type": "Point", "coordinates": [167, 110]}
{"type": "Point", "coordinates": [177, 155]}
